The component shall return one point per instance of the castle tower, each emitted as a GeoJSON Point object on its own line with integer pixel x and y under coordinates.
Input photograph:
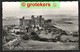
{"type": "Point", "coordinates": [40, 19]}
{"type": "Point", "coordinates": [21, 21]}
{"type": "Point", "coordinates": [33, 20]}
{"type": "Point", "coordinates": [22, 24]}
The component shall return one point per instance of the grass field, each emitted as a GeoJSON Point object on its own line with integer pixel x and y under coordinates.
{"type": "Point", "coordinates": [39, 45]}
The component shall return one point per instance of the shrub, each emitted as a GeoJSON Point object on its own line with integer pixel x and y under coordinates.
{"type": "Point", "coordinates": [20, 33]}
{"type": "Point", "coordinates": [4, 33]}
{"type": "Point", "coordinates": [43, 39]}
{"type": "Point", "coordinates": [34, 36]}
{"type": "Point", "coordinates": [25, 37]}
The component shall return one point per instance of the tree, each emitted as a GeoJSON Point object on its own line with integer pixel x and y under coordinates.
{"type": "Point", "coordinates": [4, 33]}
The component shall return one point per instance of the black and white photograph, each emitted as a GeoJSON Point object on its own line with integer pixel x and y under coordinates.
{"type": "Point", "coordinates": [40, 29]}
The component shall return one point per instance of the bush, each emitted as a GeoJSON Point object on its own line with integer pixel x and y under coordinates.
{"type": "Point", "coordinates": [4, 33]}
{"type": "Point", "coordinates": [34, 36]}
{"type": "Point", "coordinates": [43, 39]}
{"type": "Point", "coordinates": [20, 33]}
{"type": "Point", "coordinates": [25, 37]}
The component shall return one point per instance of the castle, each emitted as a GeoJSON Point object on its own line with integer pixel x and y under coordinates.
{"type": "Point", "coordinates": [34, 21]}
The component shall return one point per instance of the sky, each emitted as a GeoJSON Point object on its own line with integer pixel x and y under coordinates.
{"type": "Point", "coordinates": [11, 9]}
